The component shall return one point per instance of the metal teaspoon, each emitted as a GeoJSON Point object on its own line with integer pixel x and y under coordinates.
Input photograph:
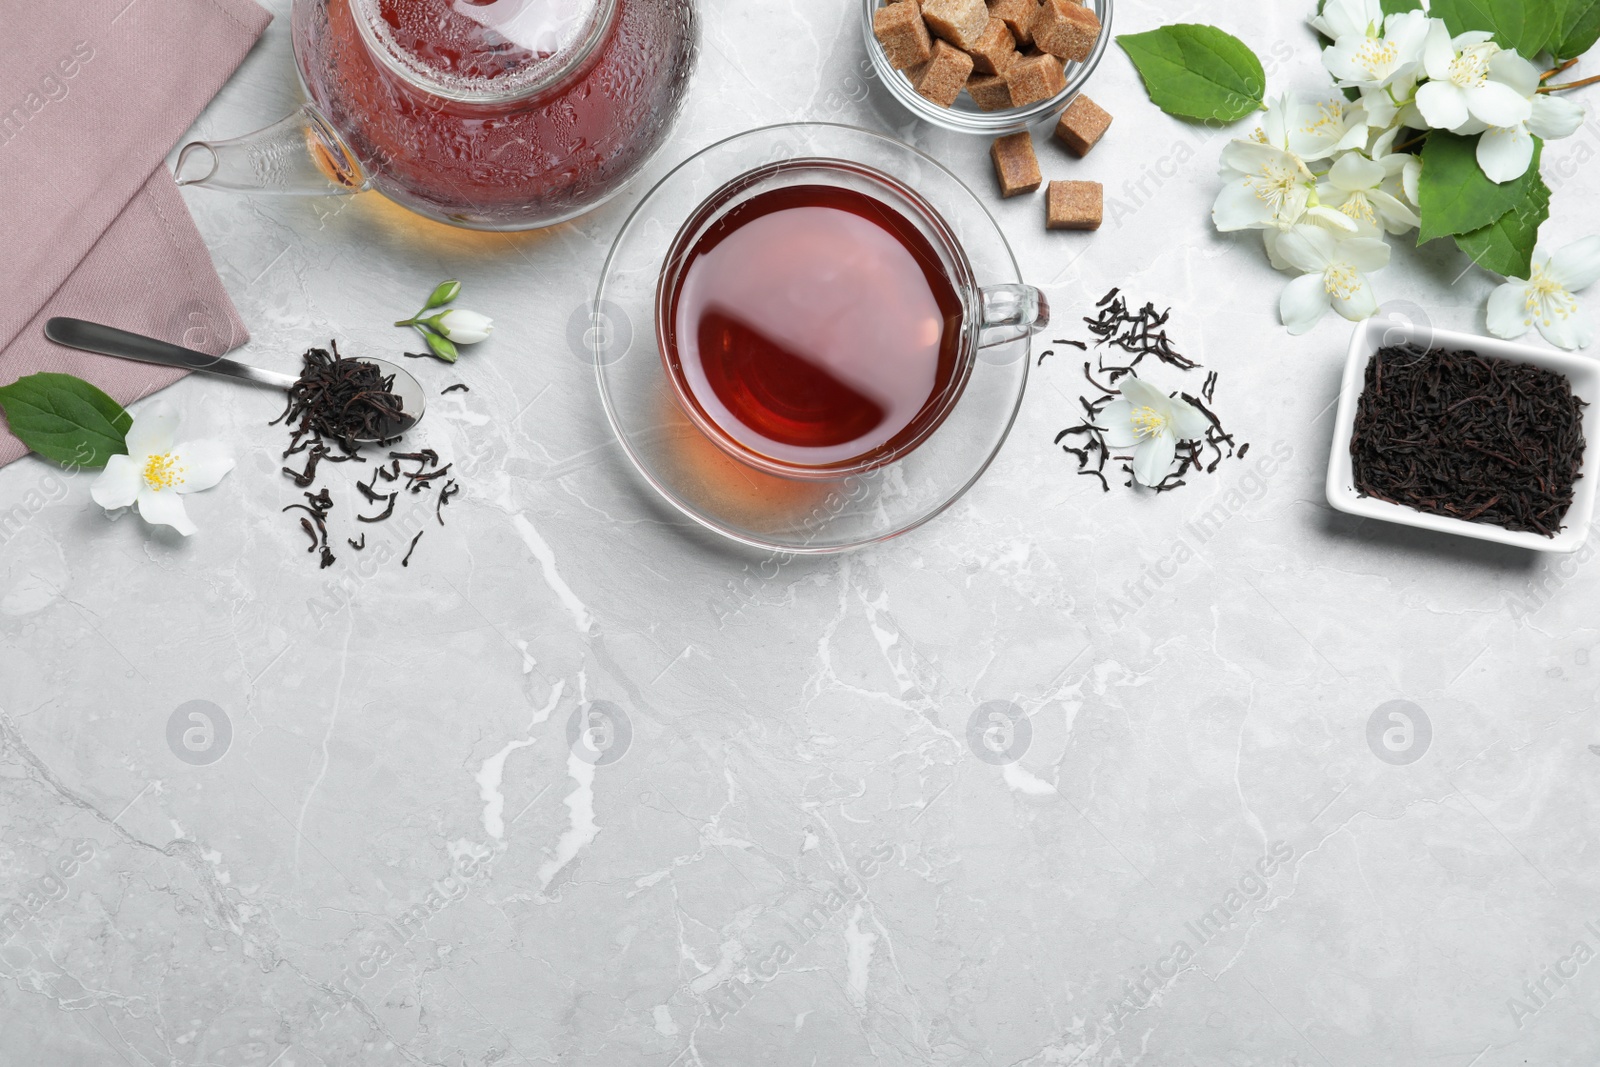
{"type": "Point", "coordinates": [110, 341]}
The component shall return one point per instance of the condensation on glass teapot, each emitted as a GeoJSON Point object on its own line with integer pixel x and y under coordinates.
{"type": "Point", "coordinates": [466, 50]}
{"type": "Point", "coordinates": [491, 114]}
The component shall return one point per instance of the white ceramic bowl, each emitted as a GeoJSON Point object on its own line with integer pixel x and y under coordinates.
{"type": "Point", "coordinates": [966, 117]}
{"type": "Point", "coordinates": [1582, 371]}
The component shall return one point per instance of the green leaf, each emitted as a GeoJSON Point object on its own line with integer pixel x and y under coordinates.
{"type": "Point", "coordinates": [1197, 72]}
{"type": "Point", "coordinates": [66, 419]}
{"type": "Point", "coordinates": [1579, 30]}
{"type": "Point", "coordinates": [1528, 26]}
{"type": "Point", "coordinates": [1506, 246]}
{"type": "Point", "coordinates": [1457, 197]}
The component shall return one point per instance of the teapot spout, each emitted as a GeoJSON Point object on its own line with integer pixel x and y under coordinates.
{"type": "Point", "coordinates": [300, 155]}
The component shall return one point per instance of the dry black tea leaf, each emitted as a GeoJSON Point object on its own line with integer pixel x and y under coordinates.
{"type": "Point", "coordinates": [1469, 437]}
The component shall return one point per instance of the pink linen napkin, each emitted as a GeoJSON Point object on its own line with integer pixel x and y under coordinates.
{"type": "Point", "coordinates": [93, 93]}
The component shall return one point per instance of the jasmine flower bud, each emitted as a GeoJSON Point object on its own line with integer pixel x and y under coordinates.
{"type": "Point", "coordinates": [464, 327]}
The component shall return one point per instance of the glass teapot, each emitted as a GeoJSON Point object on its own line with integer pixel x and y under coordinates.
{"type": "Point", "coordinates": [489, 114]}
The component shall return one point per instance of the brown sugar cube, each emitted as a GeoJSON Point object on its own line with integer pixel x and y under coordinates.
{"type": "Point", "coordinates": [990, 92]}
{"type": "Point", "coordinates": [1082, 125]}
{"type": "Point", "coordinates": [942, 78]}
{"type": "Point", "coordinates": [961, 22]}
{"type": "Point", "coordinates": [1015, 164]}
{"type": "Point", "coordinates": [995, 51]}
{"type": "Point", "coordinates": [1018, 15]}
{"type": "Point", "coordinates": [1035, 78]}
{"type": "Point", "coordinates": [1066, 29]}
{"type": "Point", "coordinates": [1074, 206]}
{"type": "Point", "coordinates": [902, 33]}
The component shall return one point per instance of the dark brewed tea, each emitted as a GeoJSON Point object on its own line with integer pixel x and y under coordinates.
{"type": "Point", "coordinates": [815, 326]}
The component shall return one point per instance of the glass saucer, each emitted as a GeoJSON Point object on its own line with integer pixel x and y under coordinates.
{"type": "Point", "coordinates": [739, 501]}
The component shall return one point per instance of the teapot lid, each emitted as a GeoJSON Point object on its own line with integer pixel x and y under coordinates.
{"type": "Point", "coordinates": [481, 50]}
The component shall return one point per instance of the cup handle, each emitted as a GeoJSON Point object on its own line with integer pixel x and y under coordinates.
{"type": "Point", "coordinates": [1010, 313]}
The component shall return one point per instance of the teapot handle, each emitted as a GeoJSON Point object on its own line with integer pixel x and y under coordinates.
{"type": "Point", "coordinates": [299, 155]}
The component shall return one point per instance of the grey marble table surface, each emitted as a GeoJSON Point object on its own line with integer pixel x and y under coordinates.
{"type": "Point", "coordinates": [1289, 788]}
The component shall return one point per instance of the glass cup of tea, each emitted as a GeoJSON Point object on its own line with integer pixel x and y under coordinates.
{"type": "Point", "coordinates": [811, 337]}
{"type": "Point", "coordinates": [817, 317]}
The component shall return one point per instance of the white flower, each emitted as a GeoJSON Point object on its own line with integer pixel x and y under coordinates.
{"type": "Point", "coordinates": [464, 327]}
{"type": "Point", "coordinates": [1465, 84]}
{"type": "Point", "coordinates": [1371, 62]}
{"type": "Point", "coordinates": [157, 470]}
{"type": "Point", "coordinates": [1349, 18]}
{"type": "Point", "coordinates": [1335, 276]}
{"type": "Point", "coordinates": [1336, 223]}
{"type": "Point", "coordinates": [1151, 423]}
{"type": "Point", "coordinates": [1355, 186]}
{"type": "Point", "coordinates": [1546, 299]}
{"type": "Point", "coordinates": [1268, 188]}
{"type": "Point", "coordinates": [1314, 129]}
{"type": "Point", "coordinates": [1410, 184]}
{"type": "Point", "coordinates": [1384, 106]}
{"type": "Point", "coordinates": [1411, 181]}
{"type": "Point", "coordinates": [1403, 168]}
{"type": "Point", "coordinates": [1506, 152]}
{"type": "Point", "coordinates": [1270, 239]}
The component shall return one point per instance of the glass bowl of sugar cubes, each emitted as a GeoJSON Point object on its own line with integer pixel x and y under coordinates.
{"type": "Point", "coordinates": [988, 68]}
